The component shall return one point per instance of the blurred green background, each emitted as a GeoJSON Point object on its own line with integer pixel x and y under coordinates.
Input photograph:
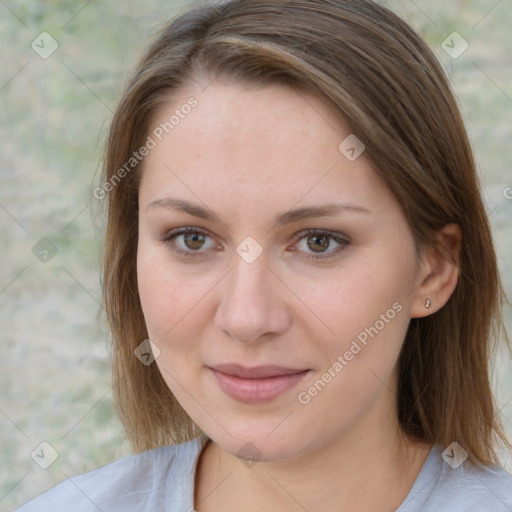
{"type": "Point", "coordinates": [54, 115]}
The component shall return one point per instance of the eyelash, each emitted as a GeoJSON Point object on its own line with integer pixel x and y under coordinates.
{"type": "Point", "coordinates": [343, 241]}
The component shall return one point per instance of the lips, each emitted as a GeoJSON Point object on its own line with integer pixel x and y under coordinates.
{"type": "Point", "coordinates": [257, 372]}
{"type": "Point", "coordinates": [257, 384]}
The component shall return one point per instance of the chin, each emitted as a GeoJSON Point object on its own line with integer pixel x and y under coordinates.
{"type": "Point", "coordinates": [260, 442]}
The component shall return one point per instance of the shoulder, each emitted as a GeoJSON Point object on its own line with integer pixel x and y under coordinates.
{"type": "Point", "coordinates": [141, 482]}
{"type": "Point", "coordinates": [466, 487]}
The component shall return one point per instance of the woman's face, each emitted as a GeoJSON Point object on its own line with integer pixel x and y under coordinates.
{"type": "Point", "coordinates": [275, 340]}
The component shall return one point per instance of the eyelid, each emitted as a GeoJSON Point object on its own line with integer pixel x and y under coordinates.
{"type": "Point", "coordinates": [340, 238]}
{"type": "Point", "coordinates": [168, 237]}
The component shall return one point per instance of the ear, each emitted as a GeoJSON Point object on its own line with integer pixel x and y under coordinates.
{"type": "Point", "coordinates": [439, 272]}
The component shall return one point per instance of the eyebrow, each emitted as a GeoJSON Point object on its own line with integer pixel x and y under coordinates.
{"type": "Point", "coordinates": [286, 217]}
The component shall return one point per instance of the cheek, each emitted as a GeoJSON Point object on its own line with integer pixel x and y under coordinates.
{"type": "Point", "coordinates": [155, 295]}
{"type": "Point", "coordinates": [173, 300]}
{"type": "Point", "coordinates": [360, 295]}
{"type": "Point", "coordinates": [168, 299]}
{"type": "Point", "coordinates": [366, 308]}
{"type": "Point", "coordinates": [370, 326]}
{"type": "Point", "coordinates": [164, 295]}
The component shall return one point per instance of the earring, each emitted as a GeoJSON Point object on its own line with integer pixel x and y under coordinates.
{"type": "Point", "coordinates": [427, 303]}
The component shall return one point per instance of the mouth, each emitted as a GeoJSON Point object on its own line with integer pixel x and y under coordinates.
{"type": "Point", "coordinates": [257, 384]}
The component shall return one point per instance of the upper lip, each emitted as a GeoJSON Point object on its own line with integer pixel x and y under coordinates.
{"type": "Point", "coordinates": [256, 372]}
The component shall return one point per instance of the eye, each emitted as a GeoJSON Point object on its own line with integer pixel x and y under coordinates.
{"type": "Point", "coordinates": [318, 241]}
{"type": "Point", "coordinates": [193, 241]}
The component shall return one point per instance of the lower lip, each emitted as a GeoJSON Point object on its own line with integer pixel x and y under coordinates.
{"type": "Point", "coordinates": [253, 391]}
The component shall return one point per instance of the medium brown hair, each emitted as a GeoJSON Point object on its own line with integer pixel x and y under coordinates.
{"type": "Point", "coordinates": [386, 84]}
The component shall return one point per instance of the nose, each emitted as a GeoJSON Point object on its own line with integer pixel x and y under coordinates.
{"type": "Point", "coordinates": [253, 306]}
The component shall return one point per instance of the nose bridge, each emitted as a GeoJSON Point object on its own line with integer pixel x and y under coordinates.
{"type": "Point", "coordinates": [250, 304]}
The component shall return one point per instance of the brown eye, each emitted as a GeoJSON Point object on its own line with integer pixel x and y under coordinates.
{"type": "Point", "coordinates": [319, 241]}
{"type": "Point", "coordinates": [194, 241]}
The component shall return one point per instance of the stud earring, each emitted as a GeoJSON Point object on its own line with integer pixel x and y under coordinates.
{"type": "Point", "coordinates": [427, 303]}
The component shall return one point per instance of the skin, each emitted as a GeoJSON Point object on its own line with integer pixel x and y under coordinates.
{"type": "Point", "coordinates": [249, 153]}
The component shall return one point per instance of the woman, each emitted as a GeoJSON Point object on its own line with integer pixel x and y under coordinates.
{"type": "Point", "coordinates": [299, 273]}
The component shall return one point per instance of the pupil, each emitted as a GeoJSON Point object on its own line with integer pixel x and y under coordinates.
{"type": "Point", "coordinates": [316, 239]}
{"type": "Point", "coordinates": [197, 238]}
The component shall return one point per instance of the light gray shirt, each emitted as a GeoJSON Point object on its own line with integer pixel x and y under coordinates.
{"type": "Point", "coordinates": [162, 480]}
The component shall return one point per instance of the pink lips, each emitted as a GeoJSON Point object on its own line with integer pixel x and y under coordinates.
{"type": "Point", "coordinates": [258, 384]}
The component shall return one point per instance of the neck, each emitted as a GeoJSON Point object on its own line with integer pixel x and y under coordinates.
{"type": "Point", "coordinates": [371, 467]}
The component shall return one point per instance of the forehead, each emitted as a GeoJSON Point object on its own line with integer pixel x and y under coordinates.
{"type": "Point", "coordinates": [270, 146]}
